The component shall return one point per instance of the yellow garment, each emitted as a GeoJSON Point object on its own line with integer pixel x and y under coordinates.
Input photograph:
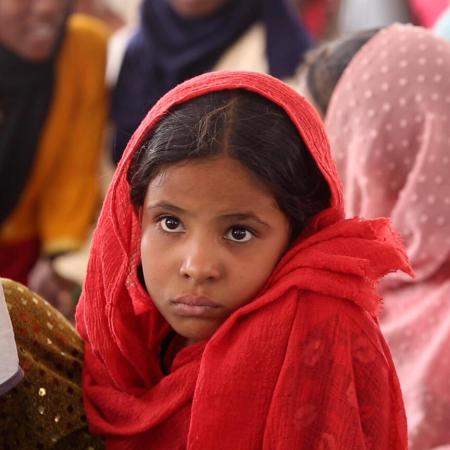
{"type": "Point", "coordinates": [62, 193]}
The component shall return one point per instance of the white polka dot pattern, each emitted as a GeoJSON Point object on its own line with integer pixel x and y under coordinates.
{"type": "Point", "coordinates": [402, 171]}
{"type": "Point", "coordinates": [398, 110]}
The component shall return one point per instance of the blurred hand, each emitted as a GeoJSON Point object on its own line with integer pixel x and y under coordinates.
{"type": "Point", "coordinates": [57, 290]}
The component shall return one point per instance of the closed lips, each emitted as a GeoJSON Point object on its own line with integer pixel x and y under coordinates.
{"type": "Point", "coordinates": [195, 301]}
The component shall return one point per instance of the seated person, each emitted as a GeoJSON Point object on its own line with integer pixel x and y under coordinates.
{"type": "Point", "coordinates": [388, 121]}
{"type": "Point", "coordinates": [177, 40]}
{"type": "Point", "coordinates": [52, 116]}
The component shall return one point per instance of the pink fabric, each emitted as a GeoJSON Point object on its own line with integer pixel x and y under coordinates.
{"type": "Point", "coordinates": [389, 125]}
{"type": "Point", "coordinates": [427, 12]}
{"type": "Point", "coordinates": [302, 366]}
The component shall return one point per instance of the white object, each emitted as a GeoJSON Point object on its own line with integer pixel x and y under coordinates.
{"type": "Point", "coordinates": [10, 371]}
{"type": "Point", "coordinates": [355, 15]}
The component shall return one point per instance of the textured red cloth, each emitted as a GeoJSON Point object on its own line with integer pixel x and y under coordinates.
{"type": "Point", "coordinates": [303, 366]}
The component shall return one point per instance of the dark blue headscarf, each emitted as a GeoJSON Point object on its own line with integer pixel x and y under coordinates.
{"type": "Point", "coordinates": [168, 49]}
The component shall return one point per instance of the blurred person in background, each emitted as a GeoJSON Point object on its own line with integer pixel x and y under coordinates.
{"type": "Point", "coordinates": [52, 114]}
{"type": "Point", "coordinates": [40, 376]}
{"type": "Point", "coordinates": [388, 121]}
{"type": "Point", "coordinates": [324, 65]}
{"type": "Point", "coordinates": [178, 39]}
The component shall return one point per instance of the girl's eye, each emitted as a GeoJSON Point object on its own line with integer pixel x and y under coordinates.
{"type": "Point", "coordinates": [170, 224]}
{"type": "Point", "coordinates": [239, 234]}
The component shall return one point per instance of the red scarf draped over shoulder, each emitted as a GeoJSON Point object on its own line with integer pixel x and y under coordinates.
{"type": "Point", "coordinates": [303, 366]}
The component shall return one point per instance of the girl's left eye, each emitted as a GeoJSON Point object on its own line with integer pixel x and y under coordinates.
{"type": "Point", "coordinates": [239, 234]}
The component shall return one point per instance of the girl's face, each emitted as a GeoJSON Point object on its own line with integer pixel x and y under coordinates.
{"type": "Point", "coordinates": [196, 8]}
{"type": "Point", "coordinates": [30, 28]}
{"type": "Point", "coordinates": [211, 235]}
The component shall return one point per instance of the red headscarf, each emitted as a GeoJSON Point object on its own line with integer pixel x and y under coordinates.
{"type": "Point", "coordinates": [301, 366]}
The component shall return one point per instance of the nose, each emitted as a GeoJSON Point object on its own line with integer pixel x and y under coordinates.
{"type": "Point", "coordinates": [201, 262]}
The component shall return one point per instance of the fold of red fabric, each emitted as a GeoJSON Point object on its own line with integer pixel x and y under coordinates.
{"type": "Point", "coordinates": [302, 366]}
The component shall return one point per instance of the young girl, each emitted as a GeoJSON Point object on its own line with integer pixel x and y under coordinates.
{"type": "Point", "coordinates": [228, 304]}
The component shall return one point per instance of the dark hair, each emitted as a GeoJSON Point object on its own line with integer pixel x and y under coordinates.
{"type": "Point", "coordinates": [325, 65]}
{"type": "Point", "coordinates": [248, 128]}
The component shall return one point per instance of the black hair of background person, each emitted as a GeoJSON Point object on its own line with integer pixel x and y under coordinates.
{"type": "Point", "coordinates": [326, 64]}
{"type": "Point", "coordinates": [26, 93]}
{"type": "Point", "coordinates": [169, 49]}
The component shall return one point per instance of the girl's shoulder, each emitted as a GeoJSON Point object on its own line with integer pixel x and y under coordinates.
{"type": "Point", "coordinates": [347, 324]}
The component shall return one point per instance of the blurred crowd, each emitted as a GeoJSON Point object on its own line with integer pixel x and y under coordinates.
{"type": "Point", "coordinates": [77, 78]}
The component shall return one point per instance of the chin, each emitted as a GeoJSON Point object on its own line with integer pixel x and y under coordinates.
{"type": "Point", "coordinates": [195, 9]}
{"type": "Point", "coordinates": [39, 55]}
{"type": "Point", "coordinates": [194, 334]}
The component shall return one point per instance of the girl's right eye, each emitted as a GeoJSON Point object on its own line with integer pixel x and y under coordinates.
{"type": "Point", "coordinates": [170, 224]}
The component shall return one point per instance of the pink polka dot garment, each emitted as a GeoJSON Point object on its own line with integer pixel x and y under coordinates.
{"type": "Point", "coordinates": [389, 126]}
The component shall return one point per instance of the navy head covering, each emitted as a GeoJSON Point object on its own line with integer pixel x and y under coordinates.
{"type": "Point", "coordinates": [168, 49]}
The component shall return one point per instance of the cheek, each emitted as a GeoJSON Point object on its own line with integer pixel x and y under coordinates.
{"type": "Point", "coordinates": [150, 253]}
{"type": "Point", "coordinates": [156, 262]}
{"type": "Point", "coordinates": [11, 25]}
{"type": "Point", "coordinates": [250, 281]}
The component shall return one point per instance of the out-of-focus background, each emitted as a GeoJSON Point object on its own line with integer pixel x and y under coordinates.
{"type": "Point", "coordinates": [78, 76]}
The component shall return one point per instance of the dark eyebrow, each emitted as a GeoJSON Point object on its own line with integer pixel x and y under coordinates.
{"type": "Point", "coordinates": [245, 216]}
{"type": "Point", "coordinates": [167, 205]}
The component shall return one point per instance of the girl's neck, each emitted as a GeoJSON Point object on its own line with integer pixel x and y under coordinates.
{"type": "Point", "coordinates": [170, 347]}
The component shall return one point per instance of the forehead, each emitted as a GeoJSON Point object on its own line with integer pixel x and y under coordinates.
{"type": "Point", "coordinates": [20, 9]}
{"type": "Point", "coordinates": [23, 4]}
{"type": "Point", "coordinates": [215, 184]}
